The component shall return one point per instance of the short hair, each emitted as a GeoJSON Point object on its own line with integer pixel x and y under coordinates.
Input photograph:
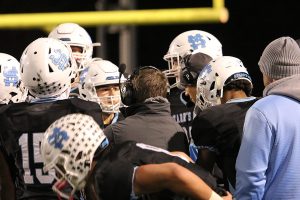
{"type": "Point", "coordinates": [239, 85]}
{"type": "Point", "coordinates": [149, 82]}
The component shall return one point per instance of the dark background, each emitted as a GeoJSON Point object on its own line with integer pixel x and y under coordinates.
{"type": "Point", "coordinates": [251, 26]}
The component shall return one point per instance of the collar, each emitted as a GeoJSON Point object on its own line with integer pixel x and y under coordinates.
{"type": "Point", "coordinates": [238, 100]}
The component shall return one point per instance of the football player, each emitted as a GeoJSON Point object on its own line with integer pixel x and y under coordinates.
{"type": "Point", "coordinates": [11, 87]}
{"type": "Point", "coordinates": [101, 85]}
{"type": "Point", "coordinates": [76, 147]}
{"type": "Point", "coordinates": [183, 71]}
{"type": "Point", "coordinates": [80, 42]}
{"type": "Point", "coordinates": [47, 71]}
{"type": "Point", "coordinates": [224, 95]}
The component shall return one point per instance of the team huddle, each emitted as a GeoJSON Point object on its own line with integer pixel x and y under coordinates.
{"type": "Point", "coordinates": [74, 126]}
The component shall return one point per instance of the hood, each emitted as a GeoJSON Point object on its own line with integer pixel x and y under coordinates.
{"type": "Point", "coordinates": [149, 106]}
{"type": "Point", "coordinates": [289, 86]}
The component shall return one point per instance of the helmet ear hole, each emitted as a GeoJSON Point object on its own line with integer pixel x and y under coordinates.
{"type": "Point", "coordinates": [212, 86]}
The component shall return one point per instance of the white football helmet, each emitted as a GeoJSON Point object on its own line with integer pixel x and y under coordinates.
{"type": "Point", "coordinates": [11, 87]}
{"type": "Point", "coordinates": [101, 73]}
{"type": "Point", "coordinates": [47, 68]}
{"type": "Point", "coordinates": [194, 41]}
{"type": "Point", "coordinates": [68, 146]}
{"type": "Point", "coordinates": [215, 76]}
{"type": "Point", "coordinates": [75, 36]}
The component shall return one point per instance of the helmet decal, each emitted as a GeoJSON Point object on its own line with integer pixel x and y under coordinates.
{"type": "Point", "coordinates": [11, 76]}
{"type": "Point", "coordinates": [57, 137]}
{"type": "Point", "coordinates": [48, 68]}
{"type": "Point", "coordinates": [196, 41]}
{"type": "Point", "coordinates": [11, 85]}
{"type": "Point", "coordinates": [60, 59]}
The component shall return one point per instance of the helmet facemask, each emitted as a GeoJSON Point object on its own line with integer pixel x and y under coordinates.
{"type": "Point", "coordinates": [83, 56]}
{"type": "Point", "coordinates": [209, 91]}
{"type": "Point", "coordinates": [173, 69]}
{"type": "Point", "coordinates": [109, 103]}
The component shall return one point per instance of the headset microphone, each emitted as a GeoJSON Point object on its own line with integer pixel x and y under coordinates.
{"type": "Point", "coordinates": [126, 87]}
{"type": "Point", "coordinates": [122, 69]}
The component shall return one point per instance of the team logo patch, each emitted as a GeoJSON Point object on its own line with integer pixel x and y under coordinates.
{"type": "Point", "coordinates": [196, 41]}
{"type": "Point", "coordinates": [59, 59]}
{"type": "Point", "coordinates": [57, 138]}
{"type": "Point", "coordinates": [11, 76]}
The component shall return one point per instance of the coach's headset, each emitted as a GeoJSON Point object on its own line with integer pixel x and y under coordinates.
{"type": "Point", "coordinates": [191, 66]}
{"type": "Point", "coordinates": [127, 92]}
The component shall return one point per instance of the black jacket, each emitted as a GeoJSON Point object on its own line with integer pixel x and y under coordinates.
{"type": "Point", "coordinates": [150, 123]}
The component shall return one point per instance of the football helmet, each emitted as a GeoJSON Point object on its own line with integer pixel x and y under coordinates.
{"type": "Point", "coordinates": [215, 76]}
{"type": "Point", "coordinates": [102, 73]}
{"type": "Point", "coordinates": [186, 43]}
{"type": "Point", "coordinates": [68, 146]}
{"type": "Point", "coordinates": [11, 87]}
{"type": "Point", "coordinates": [47, 68]}
{"type": "Point", "coordinates": [75, 36]}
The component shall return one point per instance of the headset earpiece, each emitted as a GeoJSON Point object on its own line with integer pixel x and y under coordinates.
{"type": "Point", "coordinates": [189, 76]}
{"type": "Point", "coordinates": [192, 65]}
{"type": "Point", "coordinates": [126, 89]}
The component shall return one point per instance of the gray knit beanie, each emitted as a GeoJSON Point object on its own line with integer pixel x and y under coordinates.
{"type": "Point", "coordinates": [280, 59]}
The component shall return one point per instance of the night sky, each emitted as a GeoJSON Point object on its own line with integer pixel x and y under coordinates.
{"type": "Point", "coordinates": [251, 26]}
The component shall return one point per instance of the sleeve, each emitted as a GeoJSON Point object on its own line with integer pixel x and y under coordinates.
{"type": "Point", "coordinates": [253, 157]}
{"type": "Point", "coordinates": [116, 181]}
{"type": "Point", "coordinates": [179, 142]}
{"type": "Point", "coordinates": [204, 133]}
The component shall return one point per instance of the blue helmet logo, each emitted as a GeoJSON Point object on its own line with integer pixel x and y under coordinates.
{"type": "Point", "coordinates": [196, 41]}
{"type": "Point", "coordinates": [11, 77]}
{"type": "Point", "coordinates": [57, 138]}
